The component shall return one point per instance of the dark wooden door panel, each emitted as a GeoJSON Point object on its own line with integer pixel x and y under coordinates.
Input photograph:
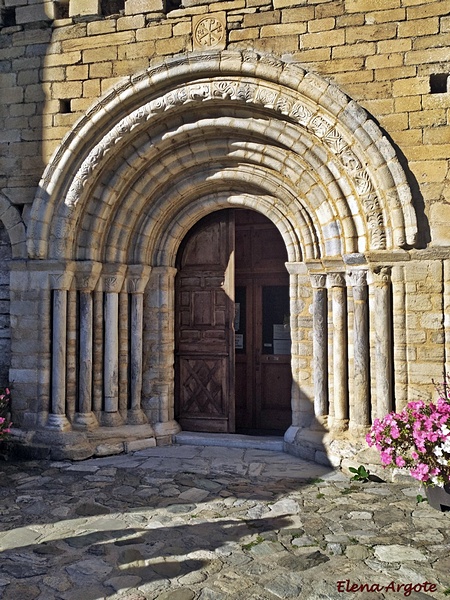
{"type": "Point", "coordinates": [274, 411]}
{"type": "Point", "coordinates": [203, 395]}
{"type": "Point", "coordinates": [204, 365]}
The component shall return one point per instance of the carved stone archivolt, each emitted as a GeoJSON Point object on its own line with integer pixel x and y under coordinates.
{"type": "Point", "coordinates": [283, 89]}
{"type": "Point", "coordinates": [248, 92]}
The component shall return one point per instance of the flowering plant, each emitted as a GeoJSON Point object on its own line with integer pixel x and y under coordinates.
{"type": "Point", "coordinates": [5, 424]}
{"type": "Point", "coordinates": [417, 438]}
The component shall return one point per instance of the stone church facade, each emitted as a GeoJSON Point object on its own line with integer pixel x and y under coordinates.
{"type": "Point", "coordinates": [126, 125]}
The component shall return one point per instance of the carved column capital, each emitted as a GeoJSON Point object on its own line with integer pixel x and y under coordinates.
{"type": "Point", "coordinates": [336, 279]}
{"type": "Point", "coordinates": [137, 278]}
{"type": "Point", "coordinates": [318, 280]}
{"type": "Point", "coordinates": [357, 278]}
{"type": "Point", "coordinates": [61, 280]}
{"type": "Point", "coordinates": [87, 274]}
{"type": "Point", "coordinates": [380, 276]}
{"type": "Point", "coordinates": [112, 278]}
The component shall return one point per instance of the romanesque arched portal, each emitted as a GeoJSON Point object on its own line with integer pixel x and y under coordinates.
{"type": "Point", "coordinates": [189, 136]}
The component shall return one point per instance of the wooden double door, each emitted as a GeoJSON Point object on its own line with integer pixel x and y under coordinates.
{"type": "Point", "coordinates": [233, 363]}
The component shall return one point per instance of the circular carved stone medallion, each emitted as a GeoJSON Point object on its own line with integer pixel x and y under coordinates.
{"type": "Point", "coordinates": [209, 32]}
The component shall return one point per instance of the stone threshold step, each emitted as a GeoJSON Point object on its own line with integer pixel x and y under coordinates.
{"type": "Point", "coordinates": [230, 440]}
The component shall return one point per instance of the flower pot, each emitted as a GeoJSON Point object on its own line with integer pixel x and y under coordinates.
{"type": "Point", "coordinates": [438, 497]}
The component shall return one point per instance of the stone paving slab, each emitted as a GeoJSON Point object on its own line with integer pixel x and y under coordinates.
{"type": "Point", "coordinates": [196, 523]}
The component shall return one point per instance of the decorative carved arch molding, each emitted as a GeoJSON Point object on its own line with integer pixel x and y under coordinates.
{"type": "Point", "coordinates": [249, 120]}
{"type": "Point", "coordinates": [194, 134]}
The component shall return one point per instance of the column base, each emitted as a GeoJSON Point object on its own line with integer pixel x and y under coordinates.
{"type": "Point", "coordinates": [58, 423]}
{"type": "Point", "coordinates": [87, 421]}
{"type": "Point", "coordinates": [136, 416]}
{"type": "Point", "coordinates": [357, 430]}
{"type": "Point", "coordinates": [338, 425]}
{"type": "Point", "coordinates": [111, 419]}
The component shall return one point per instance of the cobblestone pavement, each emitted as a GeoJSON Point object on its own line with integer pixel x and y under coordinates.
{"type": "Point", "coordinates": [207, 523]}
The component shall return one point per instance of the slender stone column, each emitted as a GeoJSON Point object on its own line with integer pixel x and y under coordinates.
{"type": "Point", "coordinates": [380, 281]}
{"type": "Point", "coordinates": [137, 278]}
{"type": "Point", "coordinates": [112, 281]}
{"type": "Point", "coordinates": [86, 277]}
{"type": "Point", "coordinates": [71, 354]}
{"type": "Point", "coordinates": [337, 284]}
{"type": "Point", "coordinates": [360, 409]}
{"type": "Point", "coordinates": [320, 344]}
{"type": "Point", "coordinates": [57, 418]}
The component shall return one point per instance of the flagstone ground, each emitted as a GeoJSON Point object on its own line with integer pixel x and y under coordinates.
{"type": "Point", "coordinates": [211, 523]}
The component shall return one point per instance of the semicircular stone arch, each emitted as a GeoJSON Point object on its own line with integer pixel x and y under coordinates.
{"type": "Point", "coordinates": [276, 105]}
{"type": "Point", "coordinates": [192, 135]}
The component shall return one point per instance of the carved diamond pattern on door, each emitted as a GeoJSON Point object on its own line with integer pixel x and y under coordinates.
{"type": "Point", "coordinates": [202, 392]}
